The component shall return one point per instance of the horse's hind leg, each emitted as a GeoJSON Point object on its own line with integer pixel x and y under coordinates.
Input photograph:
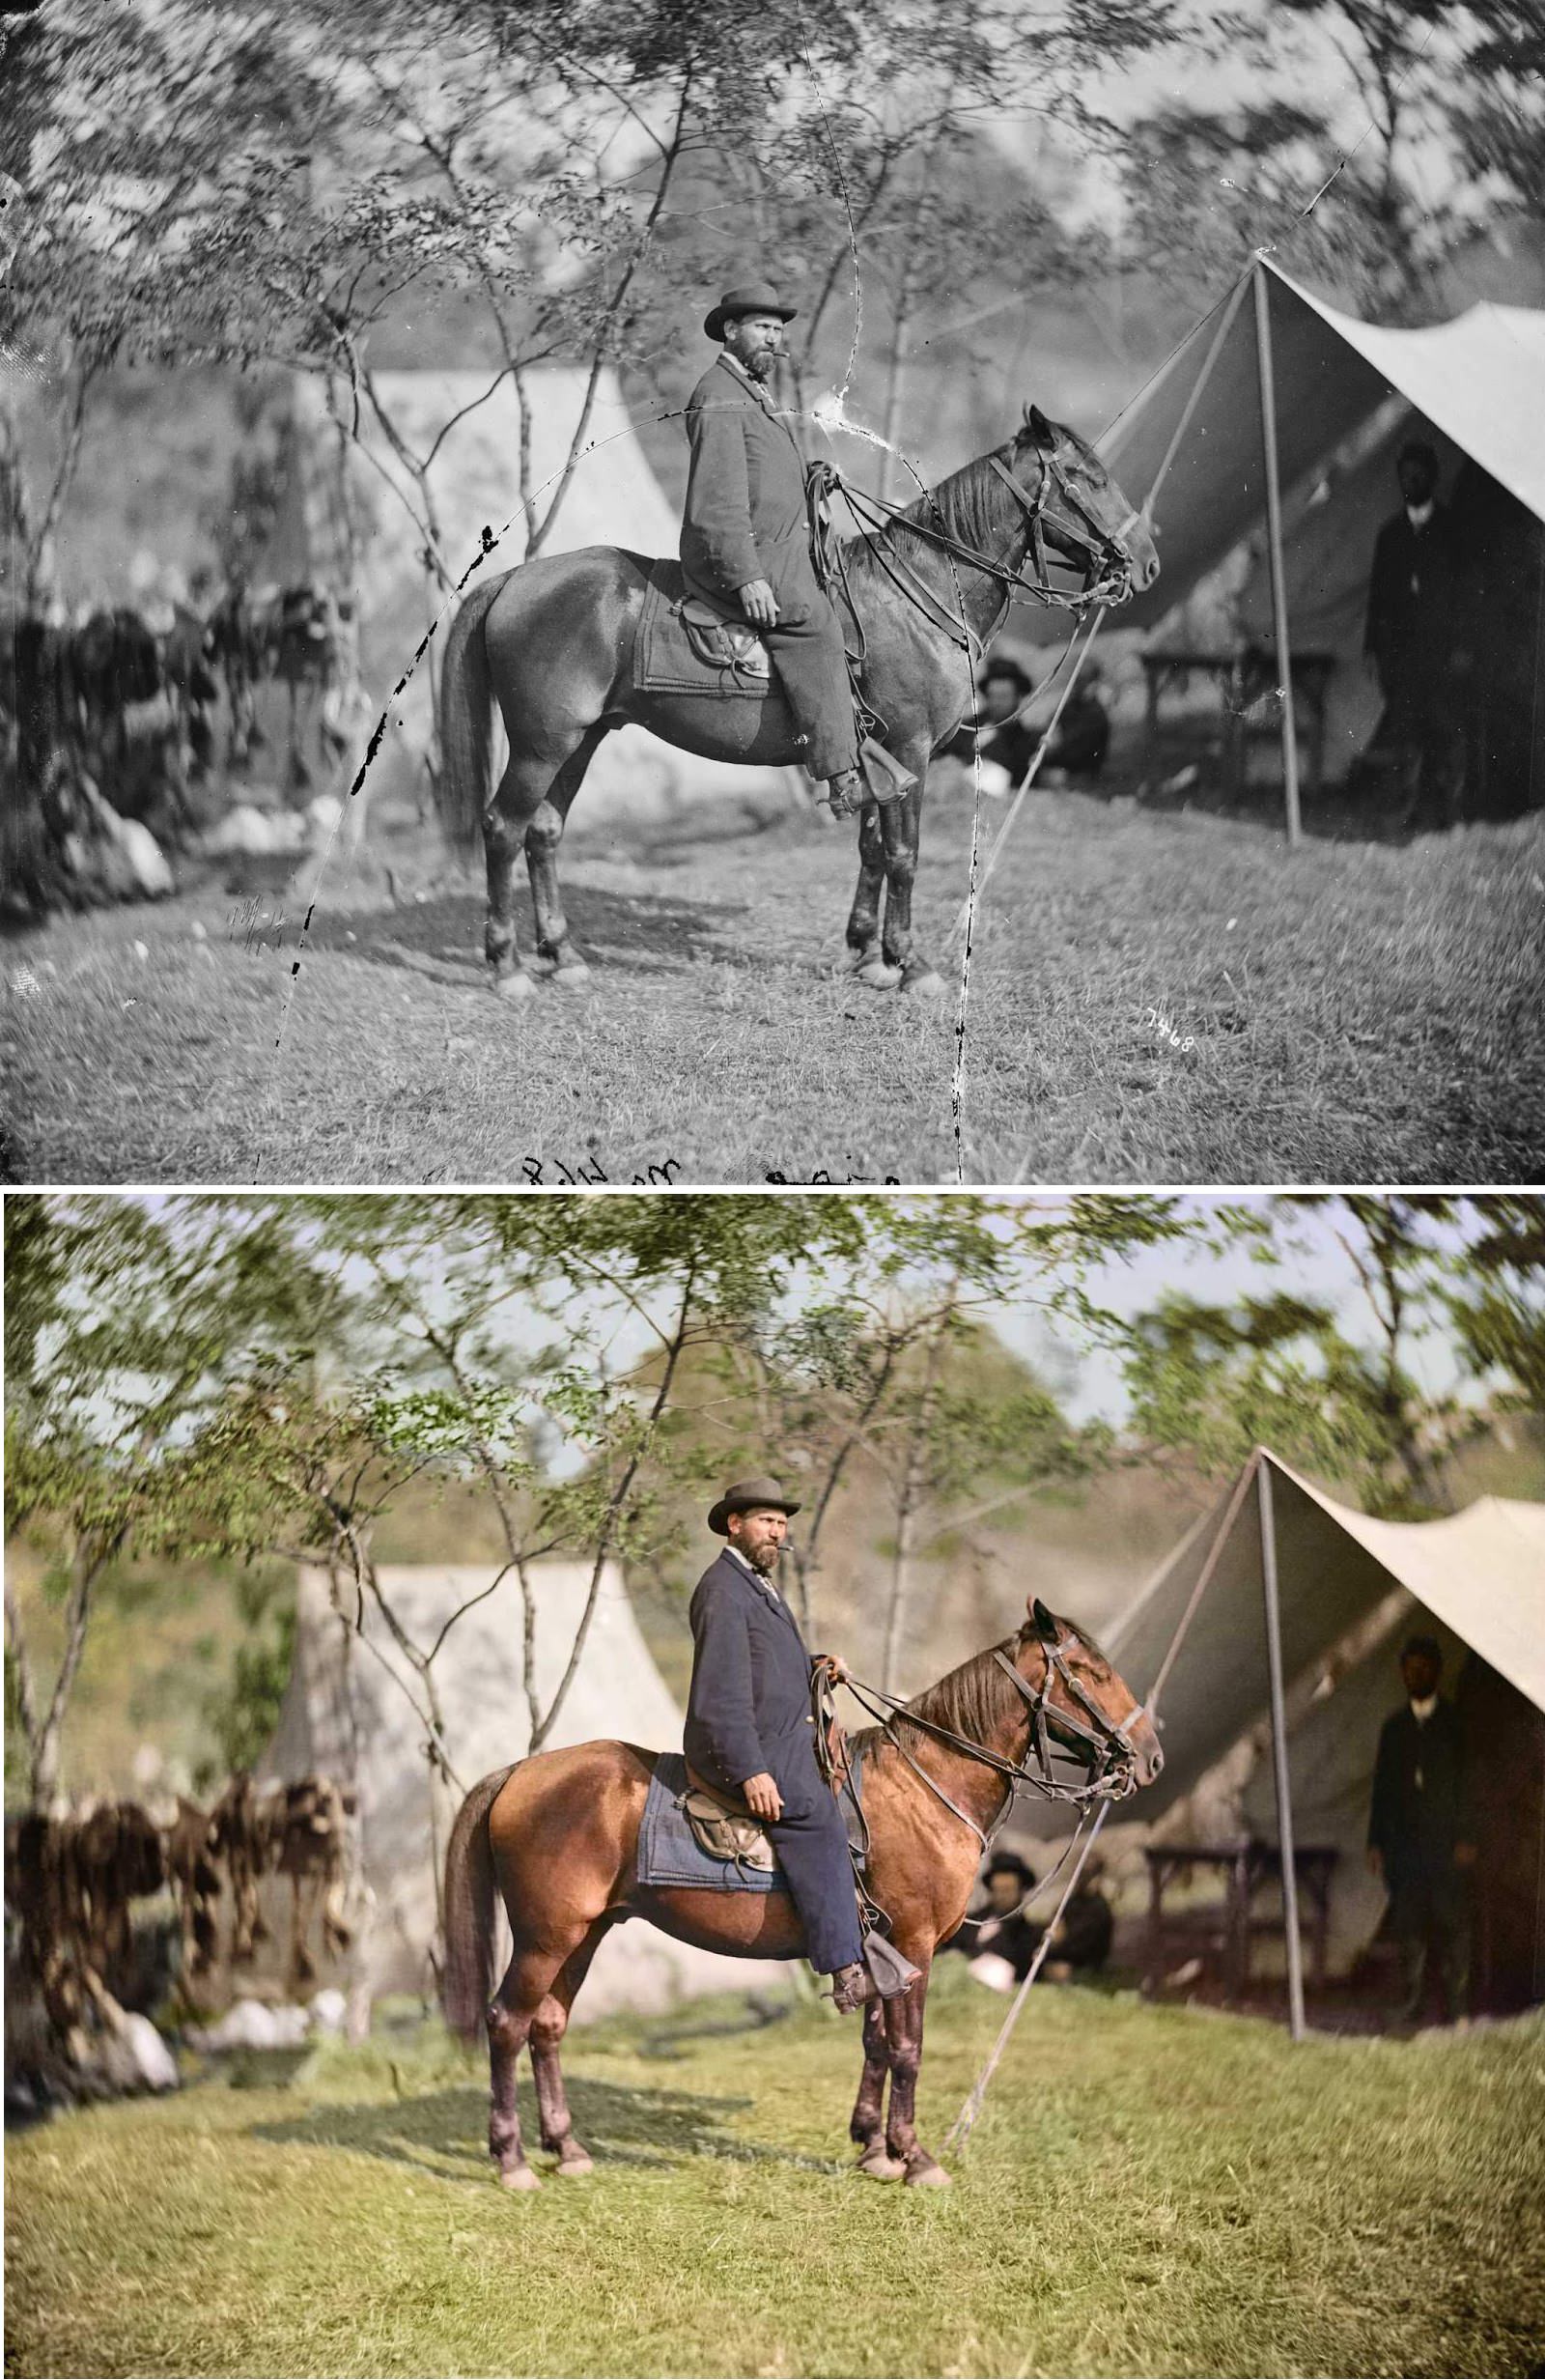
{"type": "Point", "coordinates": [500, 842]}
{"type": "Point", "coordinates": [548, 2029]}
{"type": "Point", "coordinates": [543, 837]}
{"type": "Point", "coordinates": [527, 1981]}
{"type": "Point", "coordinates": [868, 2124]}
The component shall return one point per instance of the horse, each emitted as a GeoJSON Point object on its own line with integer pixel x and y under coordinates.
{"type": "Point", "coordinates": [553, 643]}
{"type": "Point", "coordinates": [556, 1837]}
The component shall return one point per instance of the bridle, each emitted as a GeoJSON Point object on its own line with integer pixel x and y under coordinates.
{"type": "Point", "coordinates": [1108, 570]}
{"type": "Point", "coordinates": [1108, 1775]}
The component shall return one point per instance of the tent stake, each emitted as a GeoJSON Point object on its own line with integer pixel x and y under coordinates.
{"type": "Point", "coordinates": [1284, 1801]}
{"type": "Point", "coordinates": [1274, 532]}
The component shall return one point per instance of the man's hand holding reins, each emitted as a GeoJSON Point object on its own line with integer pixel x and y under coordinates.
{"type": "Point", "coordinates": [762, 1796]}
{"type": "Point", "coordinates": [759, 603]}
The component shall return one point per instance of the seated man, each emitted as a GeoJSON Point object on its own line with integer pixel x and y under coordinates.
{"type": "Point", "coordinates": [745, 537]}
{"type": "Point", "coordinates": [998, 1938]}
{"type": "Point", "coordinates": [1084, 731]}
{"type": "Point", "coordinates": [749, 1735]}
{"type": "Point", "coordinates": [1080, 1939]}
{"type": "Point", "coordinates": [999, 737]}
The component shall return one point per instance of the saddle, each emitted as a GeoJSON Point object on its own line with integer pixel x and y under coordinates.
{"type": "Point", "coordinates": [726, 1829]}
{"type": "Point", "coordinates": [723, 1829]}
{"type": "Point", "coordinates": [720, 642]}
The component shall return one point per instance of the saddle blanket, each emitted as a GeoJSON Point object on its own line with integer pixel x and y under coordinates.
{"type": "Point", "coordinates": [666, 661]}
{"type": "Point", "coordinates": [669, 1854]}
{"type": "Point", "coordinates": [668, 1850]}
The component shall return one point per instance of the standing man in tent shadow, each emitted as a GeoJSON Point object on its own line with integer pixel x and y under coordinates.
{"type": "Point", "coordinates": [1410, 637]}
{"type": "Point", "coordinates": [1420, 1835]}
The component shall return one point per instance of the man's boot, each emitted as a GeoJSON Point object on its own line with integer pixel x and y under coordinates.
{"type": "Point", "coordinates": [852, 1988]}
{"type": "Point", "coordinates": [847, 793]}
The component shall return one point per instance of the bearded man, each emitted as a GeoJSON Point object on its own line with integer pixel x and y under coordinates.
{"type": "Point", "coordinates": [745, 537]}
{"type": "Point", "coordinates": [750, 1730]}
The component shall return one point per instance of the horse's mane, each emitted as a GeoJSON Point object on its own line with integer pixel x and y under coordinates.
{"type": "Point", "coordinates": [970, 1701]}
{"type": "Point", "coordinates": [967, 506]}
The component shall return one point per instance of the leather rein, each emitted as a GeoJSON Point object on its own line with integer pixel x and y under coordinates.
{"type": "Point", "coordinates": [1110, 572]}
{"type": "Point", "coordinates": [1110, 1775]}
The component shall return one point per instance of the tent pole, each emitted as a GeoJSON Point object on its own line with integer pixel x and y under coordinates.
{"type": "Point", "coordinates": [1284, 1801]}
{"type": "Point", "coordinates": [1274, 532]}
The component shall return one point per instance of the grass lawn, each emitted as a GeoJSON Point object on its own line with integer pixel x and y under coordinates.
{"type": "Point", "coordinates": [1354, 1012]}
{"type": "Point", "coordinates": [1150, 2191]}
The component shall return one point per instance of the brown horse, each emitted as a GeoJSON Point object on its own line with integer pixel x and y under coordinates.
{"type": "Point", "coordinates": [556, 1837]}
{"type": "Point", "coordinates": [553, 643]}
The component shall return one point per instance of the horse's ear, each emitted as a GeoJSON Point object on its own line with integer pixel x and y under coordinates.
{"type": "Point", "coordinates": [1040, 429]}
{"type": "Point", "coordinates": [1045, 1621]}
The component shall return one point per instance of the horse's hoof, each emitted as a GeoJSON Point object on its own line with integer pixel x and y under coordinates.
{"type": "Point", "coordinates": [571, 975]}
{"type": "Point", "coordinates": [854, 962]}
{"type": "Point", "coordinates": [518, 2177]}
{"type": "Point", "coordinates": [517, 985]}
{"type": "Point", "coordinates": [573, 2162]}
{"type": "Point", "coordinates": [926, 985]}
{"type": "Point", "coordinates": [926, 2173]}
{"type": "Point", "coordinates": [877, 2164]}
{"type": "Point", "coordinates": [878, 976]}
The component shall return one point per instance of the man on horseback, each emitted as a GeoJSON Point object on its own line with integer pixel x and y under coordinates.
{"type": "Point", "coordinates": [749, 1733]}
{"type": "Point", "coordinates": [745, 537]}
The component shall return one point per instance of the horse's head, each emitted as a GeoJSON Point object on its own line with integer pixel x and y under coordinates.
{"type": "Point", "coordinates": [1088, 1710]}
{"type": "Point", "coordinates": [1081, 512]}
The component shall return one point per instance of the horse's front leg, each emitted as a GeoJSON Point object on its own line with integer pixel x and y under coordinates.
{"type": "Point", "coordinates": [869, 2123]}
{"type": "Point", "coordinates": [864, 959]}
{"type": "Point", "coordinates": [900, 823]}
{"type": "Point", "coordinates": [903, 2036]}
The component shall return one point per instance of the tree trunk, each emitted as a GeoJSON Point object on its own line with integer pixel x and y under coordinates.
{"type": "Point", "coordinates": [912, 1482]}
{"type": "Point", "coordinates": [45, 1762]}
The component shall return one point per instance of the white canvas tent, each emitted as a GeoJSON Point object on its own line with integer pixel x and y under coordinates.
{"type": "Point", "coordinates": [1280, 1569]}
{"type": "Point", "coordinates": [346, 1715]}
{"type": "Point", "coordinates": [611, 497]}
{"type": "Point", "coordinates": [1239, 426]}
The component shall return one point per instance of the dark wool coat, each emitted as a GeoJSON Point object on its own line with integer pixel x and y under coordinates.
{"type": "Point", "coordinates": [1420, 1807]}
{"type": "Point", "coordinates": [748, 1706]}
{"type": "Point", "coordinates": [745, 515]}
{"type": "Point", "coordinates": [1413, 610]}
{"type": "Point", "coordinates": [749, 1713]}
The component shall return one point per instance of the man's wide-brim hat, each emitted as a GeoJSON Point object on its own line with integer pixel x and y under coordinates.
{"type": "Point", "coordinates": [749, 1496]}
{"type": "Point", "coordinates": [756, 297]}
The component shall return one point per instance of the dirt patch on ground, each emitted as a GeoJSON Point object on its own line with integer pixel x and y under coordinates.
{"type": "Point", "coordinates": [1152, 999]}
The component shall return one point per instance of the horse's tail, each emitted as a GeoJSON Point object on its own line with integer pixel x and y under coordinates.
{"type": "Point", "coordinates": [468, 1985]}
{"type": "Point", "coordinates": [463, 781]}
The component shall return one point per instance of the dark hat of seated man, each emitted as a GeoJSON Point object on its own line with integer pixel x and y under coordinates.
{"type": "Point", "coordinates": [755, 298]}
{"type": "Point", "coordinates": [1009, 1863]}
{"type": "Point", "coordinates": [1004, 665]}
{"type": "Point", "coordinates": [748, 1495]}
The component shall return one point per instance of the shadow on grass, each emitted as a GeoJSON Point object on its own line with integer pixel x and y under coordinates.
{"type": "Point", "coordinates": [442, 936]}
{"type": "Point", "coordinates": [443, 2131]}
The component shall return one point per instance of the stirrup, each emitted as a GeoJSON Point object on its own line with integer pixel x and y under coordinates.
{"type": "Point", "coordinates": [882, 773]}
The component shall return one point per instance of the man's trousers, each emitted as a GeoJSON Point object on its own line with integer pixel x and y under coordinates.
{"type": "Point", "coordinates": [1429, 1911]}
{"type": "Point", "coordinates": [811, 1841]}
{"type": "Point", "coordinates": [806, 650]}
